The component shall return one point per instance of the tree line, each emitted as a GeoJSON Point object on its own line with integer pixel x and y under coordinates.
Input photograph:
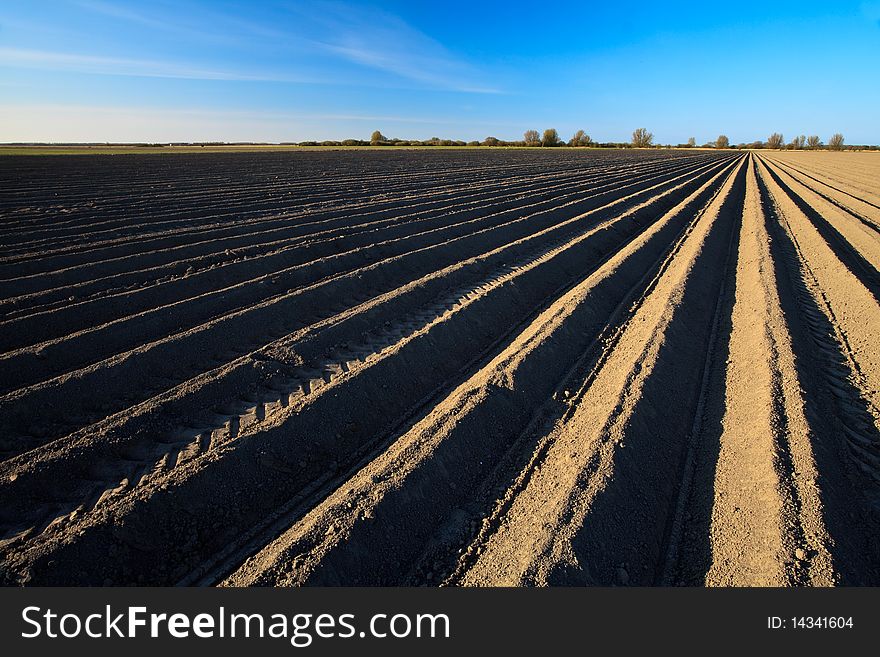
{"type": "Point", "coordinates": [641, 138]}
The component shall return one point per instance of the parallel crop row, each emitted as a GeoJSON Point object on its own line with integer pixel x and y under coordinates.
{"type": "Point", "coordinates": [440, 368]}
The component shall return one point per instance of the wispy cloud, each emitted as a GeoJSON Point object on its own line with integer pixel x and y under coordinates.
{"type": "Point", "coordinates": [366, 37]}
{"type": "Point", "coordinates": [81, 63]}
{"type": "Point", "coordinates": [126, 14]}
{"type": "Point", "coordinates": [149, 68]}
{"type": "Point", "coordinates": [370, 37]}
{"type": "Point", "coordinates": [123, 13]}
{"type": "Point", "coordinates": [432, 71]}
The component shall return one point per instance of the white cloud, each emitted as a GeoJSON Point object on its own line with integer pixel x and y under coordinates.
{"type": "Point", "coordinates": [62, 61]}
{"type": "Point", "coordinates": [125, 14]}
{"type": "Point", "coordinates": [316, 33]}
{"type": "Point", "coordinates": [376, 39]}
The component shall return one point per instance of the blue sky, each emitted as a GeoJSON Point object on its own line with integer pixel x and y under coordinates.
{"type": "Point", "coordinates": [181, 70]}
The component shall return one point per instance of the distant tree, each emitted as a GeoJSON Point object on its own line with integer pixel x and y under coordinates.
{"type": "Point", "coordinates": [775, 140]}
{"type": "Point", "coordinates": [531, 138]}
{"type": "Point", "coordinates": [836, 142]}
{"type": "Point", "coordinates": [377, 137]}
{"type": "Point", "coordinates": [813, 141]}
{"type": "Point", "coordinates": [797, 143]}
{"type": "Point", "coordinates": [491, 141]}
{"type": "Point", "coordinates": [722, 142]}
{"type": "Point", "coordinates": [550, 138]}
{"type": "Point", "coordinates": [642, 138]}
{"type": "Point", "coordinates": [692, 142]}
{"type": "Point", "coordinates": [580, 138]}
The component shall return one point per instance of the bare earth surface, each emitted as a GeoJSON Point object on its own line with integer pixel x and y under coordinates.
{"type": "Point", "coordinates": [440, 368]}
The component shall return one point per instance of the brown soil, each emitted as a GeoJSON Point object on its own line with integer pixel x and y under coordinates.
{"type": "Point", "coordinates": [447, 368]}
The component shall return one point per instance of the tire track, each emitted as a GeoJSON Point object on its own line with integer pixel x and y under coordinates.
{"type": "Point", "coordinates": [478, 423]}
{"type": "Point", "coordinates": [849, 306]}
{"type": "Point", "coordinates": [849, 386]}
{"type": "Point", "coordinates": [182, 356]}
{"type": "Point", "coordinates": [866, 212]}
{"type": "Point", "coordinates": [756, 517]}
{"type": "Point", "coordinates": [358, 385]}
{"type": "Point", "coordinates": [446, 368]}
{"type": "Point", "coordinates": [591, 488]}
{"type": "Point", "coordinates": [388, 201]}
{"type": "Point", "coordinates": [302, 253]}
{"type": "Point", "coordinates": [852, 244]}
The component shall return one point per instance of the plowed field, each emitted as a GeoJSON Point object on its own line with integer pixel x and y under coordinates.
{"type": "Point", "coordinates": [440, 368]}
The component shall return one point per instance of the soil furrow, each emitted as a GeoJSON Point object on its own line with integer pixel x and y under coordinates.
{"type": "Point", "coordinates": [592, 511]}
{"type": "Point", "coordinates": [441, 367]}
{"type": "Point", "coordinates": [179, 357]}
{"type": "Point", "coordinates": [274, 266]}
{"type": "Point", "coordinates": [756, 517]}
{"type": "Point", "coordinates": [444, 338]}
{"type": "Point", "coordinates": [147, 242]}
{"type": "Point", "coordinates": [453, 450]}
